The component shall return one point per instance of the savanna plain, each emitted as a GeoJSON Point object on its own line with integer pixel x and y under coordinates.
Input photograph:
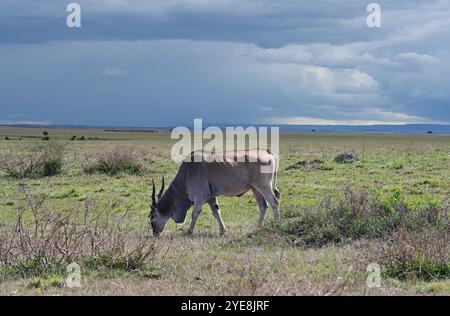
{"type": "Point", "coordinates": [82, 195]}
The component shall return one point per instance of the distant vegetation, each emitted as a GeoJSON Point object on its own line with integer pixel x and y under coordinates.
{"type": "Point", "coordinates": [136, 130]}
{"type": "Point", "coordinates": [46, 137]}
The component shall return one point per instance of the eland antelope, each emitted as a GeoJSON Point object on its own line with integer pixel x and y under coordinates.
{"type": "Point", "coordinates": [202, 177]}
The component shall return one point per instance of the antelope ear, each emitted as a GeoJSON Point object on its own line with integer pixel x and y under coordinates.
{"type": "Point", "coordinates": [152, 210]}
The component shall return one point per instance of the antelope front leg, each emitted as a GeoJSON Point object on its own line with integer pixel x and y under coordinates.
{"type": "Point", "coordinates": [195, 214]}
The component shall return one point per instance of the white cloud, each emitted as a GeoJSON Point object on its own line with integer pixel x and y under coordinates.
{"type": "Point", "coordinates": [114, 72]}
{"type": "Point", "coordinates": [266, 108]}
{"type": "Point", "coordinates": [420, 59]}
{"type": "Point", "coordinates": [298, 120]}
{"type": "Point", "coordinates": [24, 122]}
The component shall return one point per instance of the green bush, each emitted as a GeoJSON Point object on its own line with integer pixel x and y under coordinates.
{"type": "Point", "coordinates": [52, 166]}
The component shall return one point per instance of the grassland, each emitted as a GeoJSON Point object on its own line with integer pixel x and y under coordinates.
{"type": "Point", "coordinates": [209, 264]}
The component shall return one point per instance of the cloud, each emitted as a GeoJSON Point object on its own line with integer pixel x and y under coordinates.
{"type": "Point", "coordinates": [23, 122]}
{"type": "Point", "coordinates": [266, 109]}
{"type": "Point", "coordinates": [20, 119]}
{"type": "Point", "coordinates": [416, 59]}
{"type": "Point", "coordinates": [378, 117]}
{"type": "Point", "coordinates": [226, 61]}
{"type": "Point", "coordinates": [114, 72]}
{"type": "Point", "coordinates": [298, 120]}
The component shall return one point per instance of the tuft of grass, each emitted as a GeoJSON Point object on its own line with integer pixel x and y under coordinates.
{"type": "Point", "coordinates": [32, 267]}
{"type": "Point", "coordinates": [46, 282]}
{"type": "Point", "coordinates": [125, 261]}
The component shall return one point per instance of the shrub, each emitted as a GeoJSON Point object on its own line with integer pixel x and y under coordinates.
{"type": "Point", "coordinates": [114, 161]}
{"type": "Point", "coordinates": [43, 242]}
{"type": "Point", "coordinates": [73, 138]}
{"type": "Point", "coordinates": [420, 248]}
{"type": "Point", "coordinates": [40, 161]}
{"type": "Point", "coordinates": [417, 255]}
{"type": "Point", "coordinates": [352, 215]}
{"type": "Point", "coordinates": [310, 165]}
{"type": "Point", "coordinates": [347, 157]}
{"type": "Point", "coordinates": [52, 166]}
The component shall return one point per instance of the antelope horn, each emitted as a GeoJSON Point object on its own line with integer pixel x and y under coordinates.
{"type": "Point", "coordinates": [162, 189]}
{"type": "Point", "coordinates": [153, 193]}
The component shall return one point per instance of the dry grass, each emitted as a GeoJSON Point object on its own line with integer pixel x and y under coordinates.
{"type": "Point", "coordinates": [43, 242]}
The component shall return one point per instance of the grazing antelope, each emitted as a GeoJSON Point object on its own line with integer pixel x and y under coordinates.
{"type": "Point", "coordinates": [201, 178]}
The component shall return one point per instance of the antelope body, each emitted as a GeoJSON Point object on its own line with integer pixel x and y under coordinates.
{"type": "Point", "coordinates": [197, 183]}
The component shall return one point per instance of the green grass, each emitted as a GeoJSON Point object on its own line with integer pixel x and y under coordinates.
{"type": "Point", "coordinates": [415, 165]}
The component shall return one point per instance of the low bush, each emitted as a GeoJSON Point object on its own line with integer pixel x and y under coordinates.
{"type": "Point", "coordinates": [33, 162]}
{"type": "Point", "coordinates": [424, 255]}
{"type": "Point", "coordinates": [415, 242]}
{"type": "Point", "coordinates": [352, 215]}
{"type": "Point", "coordinates": [420, 253]}
{"type": "Point", "coordinates": [52, 166]}
{"type": "Point", "coordinates": [114, 161]}
{"type": "Point", "coordinates": [43, 242]}
{"type": "Point", "coordinates": [310, 165]}
{"type": "Point", "coordinates": [348, 157]}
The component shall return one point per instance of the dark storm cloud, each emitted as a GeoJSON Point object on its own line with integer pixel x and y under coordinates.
{"type": "Point", "coordinates": [265, 23]}
{"type": "Point", "coordinates": [166, 61]}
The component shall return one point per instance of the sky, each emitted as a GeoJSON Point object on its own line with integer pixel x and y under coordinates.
{"type": "Point", "coordinates": [166, 62]}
